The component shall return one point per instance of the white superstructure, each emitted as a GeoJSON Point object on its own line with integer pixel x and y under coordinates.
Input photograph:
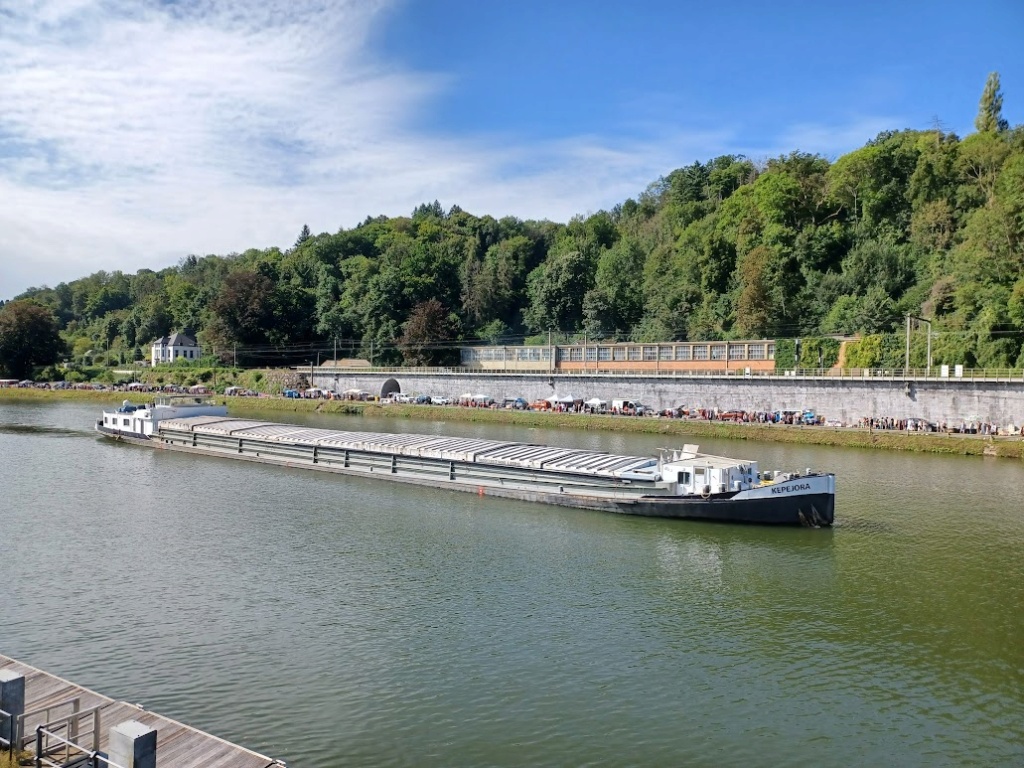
{"type": "Point", "coordinates": [142, 420]}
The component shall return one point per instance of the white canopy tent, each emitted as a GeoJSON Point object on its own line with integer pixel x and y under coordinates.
{"type": "Point", "coordinates": [563, 399]}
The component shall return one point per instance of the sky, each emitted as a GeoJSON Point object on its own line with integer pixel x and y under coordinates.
{"type": "Point", "coordinates": [136, 132]}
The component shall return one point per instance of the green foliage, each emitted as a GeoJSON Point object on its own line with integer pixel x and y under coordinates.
{"type": "Point", "coordinates": [28, 338]}
{"type": "Point", "coordinates": [819, 352]}
{"type": "Point", "coordinates": [864, 353]}
{"type": "Point", "coordinates": [917, 222]}
{"type": "Point", "coordinates": [785, 354]}
{"type": "Point", "coordinates": [990, 109]}
{"type": "Point", "coordinates": [814, 352]}
{"type": "Point", "coordinates": [425, 333]}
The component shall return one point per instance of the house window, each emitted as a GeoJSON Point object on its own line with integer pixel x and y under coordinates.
{"type": "Point", "coordinates": [650, 353]}
{"type": "Point", "coordinates": [664, 353]}
{"type": "Point", "coordinates": [700, 351]}
{"type": "Point", "coordinates": [683, 352]}
{"type": "Point", "coordinates": [771, 351]}
{"type": "Point", "coordinates": [125, 422]}
{"type": "Point", "coordinates": [604, 353]}
{"type": "Point", "coordinates": [757, 351]}
{"type": "Point", "coordinates": [737, 351]}
{"type": "Point", "coordinates": [718, 351]}
{"type": "Point", "coordinates": [619, 353]}
{"type": "Point", "coordinates": [636, 353]}
{"type": "Point", "coordinates": [590, 354]}
{"type": "Point", "coordinates": [576, 354]}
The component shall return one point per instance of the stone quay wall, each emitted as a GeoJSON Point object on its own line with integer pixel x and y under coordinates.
{"type": "Point", "coordinates": [949, 400]}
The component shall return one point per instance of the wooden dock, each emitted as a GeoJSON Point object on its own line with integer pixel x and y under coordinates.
{"type": "Point", "coordinates": [51, 699]}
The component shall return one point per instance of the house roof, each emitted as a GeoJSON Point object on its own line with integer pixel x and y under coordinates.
{"type": "Point", "coordinates": [176, 340]}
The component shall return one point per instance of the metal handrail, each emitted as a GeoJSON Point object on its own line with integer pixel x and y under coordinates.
{"type": "Point", "coordinates": [93, 756]}
{"type": "Point", "coordinates": [75, 703]}
{"type": "Point", "coordinates": [738, 370]}
{"type": "Point", "coordinates": [14, 735]}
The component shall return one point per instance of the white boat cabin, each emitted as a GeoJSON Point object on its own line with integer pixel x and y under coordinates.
{"type": "Point", "coordinates": [142, 420]}
{"type": "Point", "coordinates": [700, 474]}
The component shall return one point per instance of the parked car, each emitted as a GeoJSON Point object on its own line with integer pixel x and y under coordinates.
{"type": "Point", "coordinates": [732, 415]}
{"type": "Point", "coordinates": [291, 393]}
{"type": "Point", "coordinates": [515, 403]}
{"type": "Point", "coordinates": [422, 400]}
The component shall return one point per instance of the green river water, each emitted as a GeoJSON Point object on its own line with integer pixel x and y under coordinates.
{"type": "Point", "coordinates": [332, 621]}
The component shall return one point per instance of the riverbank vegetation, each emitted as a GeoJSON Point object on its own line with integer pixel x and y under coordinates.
{"type": "Point", "coordinates": [917, 222]}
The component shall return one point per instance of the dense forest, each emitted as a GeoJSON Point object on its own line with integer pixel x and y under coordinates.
{"type": "Point", "coordinates": [916, 222]}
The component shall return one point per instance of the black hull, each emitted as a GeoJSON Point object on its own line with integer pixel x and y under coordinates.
{"type": "Point", "coordinates": [813, 510]}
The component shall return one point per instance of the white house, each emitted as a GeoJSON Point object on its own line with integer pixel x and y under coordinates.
{"type": "Point", "coordinates": [177, 346]}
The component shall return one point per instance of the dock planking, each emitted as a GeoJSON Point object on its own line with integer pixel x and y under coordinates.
{"type": "Point", "coordinates": [178, 745]}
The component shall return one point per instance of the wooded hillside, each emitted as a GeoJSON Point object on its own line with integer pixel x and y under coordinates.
{"type": "Point", "coordinates": [918, 222]}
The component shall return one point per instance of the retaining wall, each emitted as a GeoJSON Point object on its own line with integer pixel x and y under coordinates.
{"type": "Point", "coordinates": [938, 400]}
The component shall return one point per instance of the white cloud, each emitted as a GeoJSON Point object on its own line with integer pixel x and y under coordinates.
{"type": "Point", "coordinates": [830, 140]}
{"type": "Point", "coordinates": [132, 134]}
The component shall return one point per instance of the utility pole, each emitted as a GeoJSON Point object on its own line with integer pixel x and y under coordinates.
{"type": "Point", "coordinates": [551, 354]}
{"type": "Point", "coordinates": [906, 359]}
{"type": "Point", "coordinates": [929, 354]}
{"type": "Point", "coordinates": [335, 351]}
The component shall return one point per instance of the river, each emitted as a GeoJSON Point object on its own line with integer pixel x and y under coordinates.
{"type": "Point", "coordinates": [333, 621]}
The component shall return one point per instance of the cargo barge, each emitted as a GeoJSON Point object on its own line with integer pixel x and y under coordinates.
{"type": "Point", "coordinates": [677, 484]}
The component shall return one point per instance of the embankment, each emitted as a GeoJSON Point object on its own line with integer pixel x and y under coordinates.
{"type": "Point", "coordinates": [967, 445]}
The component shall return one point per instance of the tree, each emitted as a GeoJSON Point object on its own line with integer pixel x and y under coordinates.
{"type": "Point", "coordinates": [557, 289]}
{"type": "Point", "coordinates": [243, 310]}
{"type": "Point", "coordinates": [304, 235]}
{"type": "Point", "coordinates": [754, 304]}
{"type": "Point", "coordinates": [28, 338]}
{"type": "Point", "coordinates": [426, 333]}
{"type": "Point", "coordinates": [990, 109]}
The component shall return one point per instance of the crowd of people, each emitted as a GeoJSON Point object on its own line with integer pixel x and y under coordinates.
{"type": "Point", "coordinates": [921, 425]}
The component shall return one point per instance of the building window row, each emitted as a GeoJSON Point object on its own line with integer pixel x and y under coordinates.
{"type": "Point", "coordinates": [684, 352]}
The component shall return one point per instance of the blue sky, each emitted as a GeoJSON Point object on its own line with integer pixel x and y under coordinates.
{"type": "Point", "coordinates": [133, 133]}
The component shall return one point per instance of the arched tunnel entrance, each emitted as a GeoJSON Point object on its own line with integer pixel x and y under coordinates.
{"type": "Point", "coordinates": [388, 387]}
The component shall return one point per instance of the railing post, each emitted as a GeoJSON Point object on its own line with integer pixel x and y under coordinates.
{"type": "Point", "coordinates": [12, 701]}
{"type": "Point", "coordinates": [133, 745]}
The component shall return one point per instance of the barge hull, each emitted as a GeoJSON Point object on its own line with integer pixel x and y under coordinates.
{"type": "Point", "coordinates": [801, 501]}
{"type": "Point", "coordinates": [811, 510]}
